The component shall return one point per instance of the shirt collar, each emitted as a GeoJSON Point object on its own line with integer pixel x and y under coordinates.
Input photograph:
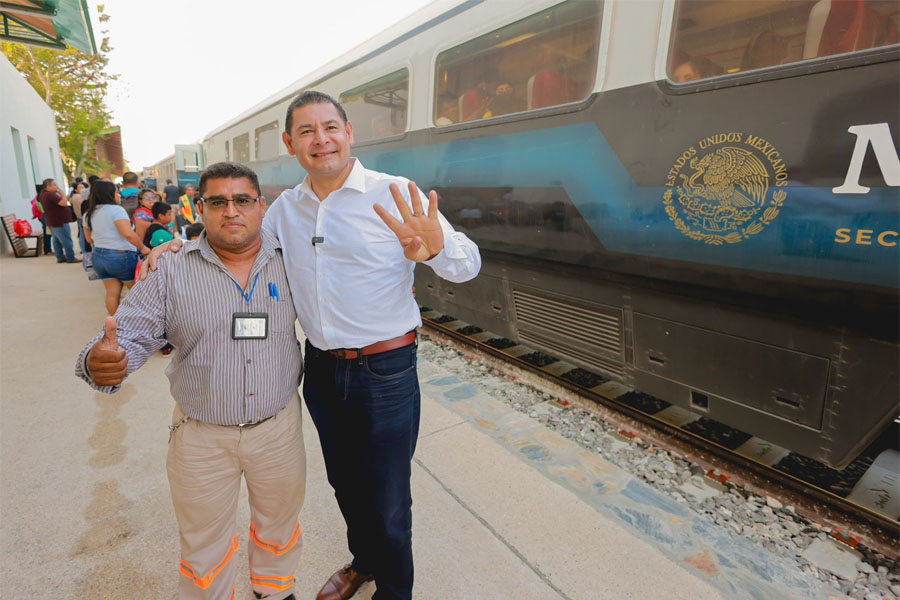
{"type": "Point", "coordinates": [356, 180]}
{"type": "Point", "coordinates": [269, 244]}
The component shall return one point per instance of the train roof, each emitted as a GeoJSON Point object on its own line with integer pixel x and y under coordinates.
{"type": "Point", "coordinates": [422, 19]}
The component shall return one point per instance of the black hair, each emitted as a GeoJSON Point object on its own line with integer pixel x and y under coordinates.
{"type": "Point", "coordinates": [160, 208]}
{"type": "Point", "coordinates": [48, 181]}
{"type": "Point", "coordinates": [168, 181]}
{"type": "Point", "coordinates": [102, 192]}
{"type": "Point", "coordinates": [92, 179]}
{"type": "Point", "coordinates": [129, 178]}
{"type": "Point", "coordinates": [307, 98]}
{"type": "Point", "coordinates": [228, 170]}
{"type": "Point", "coordinates": [143, 193]}
{"type": "Point", "coordinates": [194, 230]}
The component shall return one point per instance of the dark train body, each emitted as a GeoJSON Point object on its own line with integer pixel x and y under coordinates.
{"type": "Point", "coordinates": [683, 238]}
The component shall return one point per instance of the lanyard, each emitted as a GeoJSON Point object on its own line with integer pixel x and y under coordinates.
{"type": "Point", "coordinates": [252, 289]}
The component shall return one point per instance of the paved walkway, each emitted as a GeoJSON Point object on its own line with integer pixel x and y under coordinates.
{"type": "Point", "coordinates": [503, 508]}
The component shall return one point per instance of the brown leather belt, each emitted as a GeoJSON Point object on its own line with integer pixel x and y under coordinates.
{"type": "Point", "coordinates": [376, 348]}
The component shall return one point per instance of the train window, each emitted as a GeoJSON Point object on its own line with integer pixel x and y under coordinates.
{"type": "Point", "coordinates": [241, 146]}
{"type": "Point", "coordinates": [378, 109]}
{"type": "Point", "coordinates": [267, 140]}
{"type": "Point", "coordinates": [547, 59]}
{"type": "Point", "coordinates": [719, 37]}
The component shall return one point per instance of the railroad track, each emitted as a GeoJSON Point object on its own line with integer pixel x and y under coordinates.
{"type": "Point", "coordinates": [729, 456]}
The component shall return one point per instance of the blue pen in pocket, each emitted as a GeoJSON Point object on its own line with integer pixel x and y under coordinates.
{"type": "Point", "coordinates": [273, 292]}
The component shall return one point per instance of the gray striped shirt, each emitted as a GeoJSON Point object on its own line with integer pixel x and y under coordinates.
{"type": "Point", "coordinates": [189, 301]}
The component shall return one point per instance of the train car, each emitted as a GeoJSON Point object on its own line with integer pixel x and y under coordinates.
{"type": "Point", "coordinates": [183, 167]}
{"type": "Point", "coordinates": [698, 198]}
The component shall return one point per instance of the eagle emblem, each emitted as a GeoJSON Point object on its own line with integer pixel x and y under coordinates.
{"type": "Point", "coordinates": [722, 195]}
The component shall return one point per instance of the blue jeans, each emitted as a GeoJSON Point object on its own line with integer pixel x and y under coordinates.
{"type": "Point", "coordinates": [48, 246]}
{"type": "Point", "coordinates": [82, 241]}
{"type": "Point", "coordinates": [62, 243]}
{"type": "Point", "coordinates": [115, 264]}
{"type": "Point", "coordinates": [366, 411]}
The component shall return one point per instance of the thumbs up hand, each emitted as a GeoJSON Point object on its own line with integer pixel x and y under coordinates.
{"type": "Point", "coordinates": [106, 362]}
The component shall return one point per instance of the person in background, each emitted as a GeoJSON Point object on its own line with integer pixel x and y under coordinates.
{"type": "Point", "coordinates": [187, 212]}
{"type": "Point", "coordinates": [129, 192]}
{"type": "Point", "coordinates": [448, 110]}
{"type": "Point", "coordinates": [765, 49]}
{"type": "Point", "coordinates": [171, 192]}
{"type": "Point", "coordinates": [77, 200]}
{"type": "Point", "coordinates": [116, 246]}
{"type": "Point", "coordinates": [87, 190]}
{"type": "Point", "coordinates": [37, 212]}
{"type": "Point", "coordinates": [143, 216]}
{"type": "Point", "coordinates": [194, 231]}
{"type": "Point", "coordinates": [158, 231]}
{"type": "Point", "coordinates": [58, 216]}
{"type": "Point", "coordinates": [504, 101]}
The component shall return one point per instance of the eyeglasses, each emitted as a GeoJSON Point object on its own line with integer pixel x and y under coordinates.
{"type": "Point", "coordinates": [149, 197]}
{"type": "Point", "coordinates": [241, 202]}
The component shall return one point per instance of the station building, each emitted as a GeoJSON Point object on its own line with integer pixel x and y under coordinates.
{"type": "Point", "coordinates": [29, 145]}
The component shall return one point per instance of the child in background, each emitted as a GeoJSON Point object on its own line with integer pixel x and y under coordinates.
{"type": "Point", "coordinates": [143, 215]}
{"type": "Point", "coordinates": [194, 231]}
{"type": "Point", "coordinates": [158, 232]}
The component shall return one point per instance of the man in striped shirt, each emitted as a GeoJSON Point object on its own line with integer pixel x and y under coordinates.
{"type": "Point", "coordinates": [225, 304]}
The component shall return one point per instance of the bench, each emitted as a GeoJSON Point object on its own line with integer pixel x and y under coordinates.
{"type": "Point", "coordinates": [19, 244]}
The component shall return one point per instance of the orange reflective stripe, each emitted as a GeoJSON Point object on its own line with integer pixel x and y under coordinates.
{"type": "Point", "coordinates": [232, 594]}
{"type": "Point", "coordinates": [271, 582]}
{"type": "Point", "coordinates": [204, 582]}
{"type": "Point", "coordinates": [275, 548]}
{"type": "Point", "coordinates": [288, 578]}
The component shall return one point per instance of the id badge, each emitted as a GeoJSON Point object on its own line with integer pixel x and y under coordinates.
{"type": "Point", "coordinates": [249, 326]}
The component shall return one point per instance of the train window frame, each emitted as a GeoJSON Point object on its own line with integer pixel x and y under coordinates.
{"type": "Point", "coordinates": [383, 73]}
{"type": "Point", "coordinates": [278, 143]}
{"type": "Point", "coordinates": [250, 158]}
{"type": "Point", "coordinates": [599, 72]}
{"type": "Point", "coordinates": [782, 71]}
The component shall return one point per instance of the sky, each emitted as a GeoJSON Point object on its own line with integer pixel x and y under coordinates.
{"type": "Point", "coordinates": [187, 66]}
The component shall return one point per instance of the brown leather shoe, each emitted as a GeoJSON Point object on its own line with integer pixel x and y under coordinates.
{"type": "Point", "coordinates": [342, 585]}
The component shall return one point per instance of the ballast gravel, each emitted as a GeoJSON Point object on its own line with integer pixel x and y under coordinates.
{"type": "Point", "coordinates": [763, 520]}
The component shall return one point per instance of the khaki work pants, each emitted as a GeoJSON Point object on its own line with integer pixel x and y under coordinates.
{"type": "Point", "coordinates": [204, 464]}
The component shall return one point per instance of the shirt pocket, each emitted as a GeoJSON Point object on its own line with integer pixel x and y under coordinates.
{"type": "Point", "coordinates": [281, 312]}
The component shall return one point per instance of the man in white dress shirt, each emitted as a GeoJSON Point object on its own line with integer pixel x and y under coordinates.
{"type": "Point", "coordinates": [352, 284]}
{"type": "Point", "coordinates": [350, 270]}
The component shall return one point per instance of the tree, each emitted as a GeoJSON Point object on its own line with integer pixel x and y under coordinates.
{"type": "Point", "coordinates": [75, 86]}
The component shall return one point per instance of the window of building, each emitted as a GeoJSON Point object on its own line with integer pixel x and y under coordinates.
{"type": "Point", "coordinates": [227, 151]}
{"type": "Point", "coordinates": [20, 164]}
{"type": "Point", "coordinates": [719, 37]}
{"type": "Point", "coordinates": [378, 109]}
{"type": "Point", "coordinates": [241, 145]}
{"type": "Point", "coordinates": [32, 156]}
{"type": "Point", "coordinates": [266, 140]}
{"type": "Point", "coordinates": [53, 167]}
{"type": "Point", "coordinates": [547, 59]}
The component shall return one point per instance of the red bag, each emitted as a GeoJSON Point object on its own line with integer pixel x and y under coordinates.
{"type": "Point", "coordinates": [22, 227]}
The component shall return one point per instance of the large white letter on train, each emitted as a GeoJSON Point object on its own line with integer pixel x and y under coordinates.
{"type": "Point", "coordinates": [879, 135]}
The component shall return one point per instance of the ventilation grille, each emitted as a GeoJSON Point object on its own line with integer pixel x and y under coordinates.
{"type": "Point", "coordinates": [591, 336]}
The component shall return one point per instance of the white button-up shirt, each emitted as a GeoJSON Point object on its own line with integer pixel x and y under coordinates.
{"type": "Point", "coordinates": [354, 288]}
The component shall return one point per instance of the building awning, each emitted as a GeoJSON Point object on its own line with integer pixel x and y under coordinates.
{"type": "Point", "coordinates": [48, 23]}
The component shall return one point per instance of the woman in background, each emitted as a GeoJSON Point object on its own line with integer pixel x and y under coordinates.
{"type": "Point", "coordinates": [143, 216]}
{"type": "Point", "coordinates": [116, 245]}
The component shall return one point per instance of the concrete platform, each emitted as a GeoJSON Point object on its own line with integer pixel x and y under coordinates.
{"type": "Point", "coordinates": [503, 508]}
